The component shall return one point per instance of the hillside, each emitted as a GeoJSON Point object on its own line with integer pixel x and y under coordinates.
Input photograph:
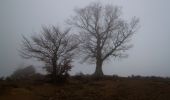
{"type": "Point", "coordinates": [87, 89]}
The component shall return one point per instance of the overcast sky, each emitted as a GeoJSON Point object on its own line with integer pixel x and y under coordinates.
{"type": "Point", "coordinates": [149, 56]}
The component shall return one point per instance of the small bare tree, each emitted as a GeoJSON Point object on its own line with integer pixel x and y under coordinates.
{"type": "Point", "coordinates": [103, 32]}
{"type": "Point", "coordinates": [53, 47]}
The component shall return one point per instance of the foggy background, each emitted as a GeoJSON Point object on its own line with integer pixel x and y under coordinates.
{"type": "Point", "coordinates": [149, 56]}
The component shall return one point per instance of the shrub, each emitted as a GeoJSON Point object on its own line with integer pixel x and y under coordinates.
{"type": "Point", "coordinates": [23, 73]}
{"type": "Point", "coordinates": [79, 75]}
{"type": "Point", "coordinates": [115, 77]}
{"type": "Point", "coordinates": [1, 78]}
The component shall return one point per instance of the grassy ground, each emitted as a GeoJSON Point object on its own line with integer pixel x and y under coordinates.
{"type": "Point", "coordinates": [88, 89]}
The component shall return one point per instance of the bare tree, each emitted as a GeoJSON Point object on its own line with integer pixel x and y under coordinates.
{"type": "Point", "coordinates": [103, 32]}
{"type": "Point", "coordinates": [54, 47]}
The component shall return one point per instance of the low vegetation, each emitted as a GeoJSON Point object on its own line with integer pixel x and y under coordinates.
{"type": "Point", "coordinates": [88, 88]}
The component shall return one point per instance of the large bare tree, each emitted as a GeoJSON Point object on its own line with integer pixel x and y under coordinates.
{"type": "Point", "coordinates": [54, 47]}
{"type": "Point", "coordinates": [103, 32]}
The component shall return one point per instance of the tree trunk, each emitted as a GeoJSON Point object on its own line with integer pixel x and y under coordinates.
{"type": "Point", "coordinates": [98, 71]}
{"type": "Point", "coordinates": [54, 72]}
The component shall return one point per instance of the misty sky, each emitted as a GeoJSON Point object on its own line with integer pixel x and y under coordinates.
{"type": "Point", "coordinates": [149, 56]}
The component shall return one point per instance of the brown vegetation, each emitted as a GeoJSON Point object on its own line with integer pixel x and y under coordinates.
{"type": "Point", "coordinates": [87, 88]}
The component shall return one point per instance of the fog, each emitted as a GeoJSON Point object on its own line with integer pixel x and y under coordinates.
{"type": "Point", "coordinates": [149, 56]}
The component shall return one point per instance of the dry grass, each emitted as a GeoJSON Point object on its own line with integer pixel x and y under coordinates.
{"type": "Point", "coordinates": [88, 89]}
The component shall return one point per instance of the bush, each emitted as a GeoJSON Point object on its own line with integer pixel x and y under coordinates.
{"type": "Point", "coordinates": [1, 78]}
{"type": "Point", "coordinates": [23, 73]}
{"type": "Point", "coordinates": [79, 75]}
{"type": "Point", "coordinates": [62, 70]}
{"type": "Point", "coordinates": [115, 76]}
